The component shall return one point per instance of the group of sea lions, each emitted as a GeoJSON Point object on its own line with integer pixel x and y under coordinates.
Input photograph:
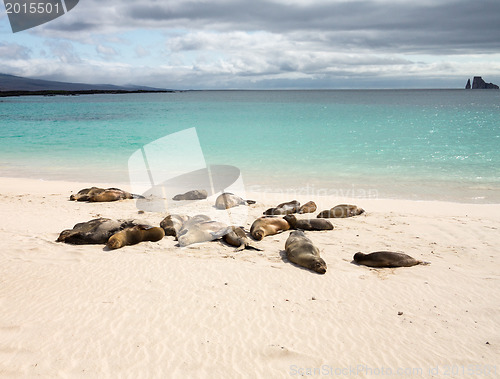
{"type": "Point", "coordinates": [200, 228]}
{"type": "Point", "coordinates": [113, 233]}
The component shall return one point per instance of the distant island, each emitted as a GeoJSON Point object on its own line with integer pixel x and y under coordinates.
{"type": "Point", "coordinates": [479, 83]}
{"type": "Point", "coordinates": [11, 85]}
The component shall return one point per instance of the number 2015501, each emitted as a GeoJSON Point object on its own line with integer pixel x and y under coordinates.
{"type": "Point", "coordinates": [32, 8]}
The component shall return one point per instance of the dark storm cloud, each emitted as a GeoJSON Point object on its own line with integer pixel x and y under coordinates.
{"type": "Point", "coordinates": [421, 27]}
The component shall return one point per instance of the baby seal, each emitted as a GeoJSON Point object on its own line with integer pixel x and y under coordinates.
{"type": "Point", "coordinates": [191, 195]}
{"type": "Point", "coordinates": [228, 200]}
{"type": "Point", "coordinates": [310, 224]}
{"type": "Point", "coordinates": [341, 211]}
{"type": "Point", "coordinates": [386, 259]}
{"type": "Point", "coordinates": [238, 238]}
{"type": "Point", "coordinates": [301, 251]}
{"type": "Point", "coordinates": [268, 225]}
{"type": "Point", "coordinates": [309, 207]}
{"type": "Point", "coordinates": [284, 208]}
{"type": "Point", "coordinates": [95, 194]}
{"type": "Point", "coordinates": [134, 235]}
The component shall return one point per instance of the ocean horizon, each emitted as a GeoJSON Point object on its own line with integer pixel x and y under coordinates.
{"type": "Point", "coordinates": [436, 144]}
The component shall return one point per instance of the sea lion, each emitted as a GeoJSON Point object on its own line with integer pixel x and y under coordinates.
{"type": "Point", "coordinates": [96, 231]}
{"type": "Point", "coordinates": [301, 251]}
{"type": "Point", "coordinates": [268, 225]}
{"type": "Point", "coordinates": [95, 194]}
{"type": "Point", "coordinates": [386, 259]}
{"type": "Point", "coordinates": [228, 200]}
{"type": "Point", "coordinates": [237, 237]}
{"type": "Point", "coordinates": [202, 232]}
{"type": "Point", "coordinates": [134, 235]}
{"type": "Point", "coordinates": [191, 195]}
{"type": "Point", "coordinates": [309, 207]}
{"type": "Point", "coordinates": [172, 224]}
{"type": "Point", "coordinates": [284, 208]}
{"type": "Point", "coordinates": [192, 221]}
{"type": "Point", "coordinates": [310, 224]}
{"type": "Point", "coordinates": [341, 211]}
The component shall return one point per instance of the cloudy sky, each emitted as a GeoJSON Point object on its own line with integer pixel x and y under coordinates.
{"type": "Point", "coordinates": [210, 44]}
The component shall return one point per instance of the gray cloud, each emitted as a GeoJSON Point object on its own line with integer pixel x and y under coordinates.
{"type": "Point", "coordinates": [454, 25]}
{"type": "Point", "coordinates": [14, 51]}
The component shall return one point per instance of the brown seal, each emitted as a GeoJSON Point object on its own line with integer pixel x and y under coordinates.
{"type": "Point", "coordinates": [341, 211]}
{"type": "Point", "coordinates": [238, 238]}
{"type": "Point", "coordinates": [134, 235]}
{"type": "Point", "coordinates": [95, 194]}
{"type": "Point", "coordinates": [96, 231]}
{"type": "Point", "coordinates": [386, 259]}
{"type": "Point", "coordinates": [191, 195]}
{"type": "Point", "coordinates": [301, 251]}
{"type": "Point", "coordinates": [284, 208]}
{"type": "Point", "coordinates": [310, 224]}
{"type": "Point", "coordinates": [268, 225]}
{"type": "Point", "coordinates": [309, 207]}
{"type": "Point", "coordinates": [228, 200]}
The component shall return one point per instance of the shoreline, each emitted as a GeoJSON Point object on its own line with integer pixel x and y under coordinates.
{"type": "Point", "coordinates": [270, 191]}
{"type": "Point", "coordinates": [157, 310]}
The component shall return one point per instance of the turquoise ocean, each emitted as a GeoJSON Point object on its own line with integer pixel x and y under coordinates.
{"type": "Point", "coordinates": [406, 144]}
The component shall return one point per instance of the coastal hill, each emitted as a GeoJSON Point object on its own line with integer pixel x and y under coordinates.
{"type": "Point", "coordinates": [479, 83]}
{"type": "Point", "coordinates": [11, 85]}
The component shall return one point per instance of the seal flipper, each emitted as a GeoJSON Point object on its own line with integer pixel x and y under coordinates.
{"type": "Point", "coordinates": [251, 247]}
{"type": "Point", "coordinates": [250, 202]}
{"type": "Point", "coordinates": [242, 247]}
{"type": "Point", "coordinates": [220, 233]}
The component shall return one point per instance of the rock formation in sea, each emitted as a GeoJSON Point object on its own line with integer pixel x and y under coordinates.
{"type": "Point", "coordinates": [479, 83]}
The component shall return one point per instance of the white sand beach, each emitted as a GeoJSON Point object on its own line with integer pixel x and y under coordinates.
{"type": "Point", "coordinates": [155, 310]}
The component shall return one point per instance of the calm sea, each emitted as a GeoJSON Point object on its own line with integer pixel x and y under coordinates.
{"type": "Point", "coordinates": [412, 144]}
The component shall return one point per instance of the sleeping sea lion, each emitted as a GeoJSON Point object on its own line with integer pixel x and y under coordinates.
{"type": "Point", "coordinates": [134, 235]}
{"type": "Point", "coordinates": [341, 211]}
{"type": "Point", "coordinates": [309, 207]}
{"type": "Point", "coordinates": [95, 194]}
{"type": "Point", "coordinates": [301, 251]}
{"type": "Point", "coordinates": [172, 224]}
{"type": "Point", "coordinates": [202, 232]}
{"type": "Point", "coordinates": [96, 231]}
{"type": "Point", "coordinates": [386, 259]}
{"type": "Point", "coordinates": [191, 195]}
{"type": "Point", "coordinates": [310, 224]}
{"type": "Point", "coordinates": [228, 200]}
{"type": "Point", "coordinates": [237, 237]}
{"type": "Point", "coordinates": [284, 208]}
{"type": "Point", "coordinates": [268, 225]}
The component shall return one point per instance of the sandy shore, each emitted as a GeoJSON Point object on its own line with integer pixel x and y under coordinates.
{"type": "Point", "coordinates": [155, 310]}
